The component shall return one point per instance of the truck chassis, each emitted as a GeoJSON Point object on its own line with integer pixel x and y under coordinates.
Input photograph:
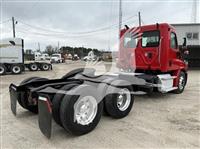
{"type": "Point", "coordinates": [77, 100]}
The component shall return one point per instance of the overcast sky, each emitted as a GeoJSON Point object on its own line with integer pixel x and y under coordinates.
{"type": "Point", "coordinates": [88, 23]}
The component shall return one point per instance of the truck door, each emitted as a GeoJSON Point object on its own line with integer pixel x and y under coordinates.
{"type": "Point", "coordinates": [174, 51]}
{"type": "Point", "coordinates": [148, 52]}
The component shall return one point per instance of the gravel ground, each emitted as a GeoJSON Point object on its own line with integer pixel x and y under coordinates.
{"type": "Point", "coordinates": [156, 121]}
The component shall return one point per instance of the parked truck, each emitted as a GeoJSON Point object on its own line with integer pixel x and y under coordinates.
{"type": "Point", "coordinates": [57, 58]}
{"type": "Point", "coordinates": [38, 56]}
{"type": "Point", "coordinates": [12, 58]}
{"type": "Point", "coordinates": [150, 61]}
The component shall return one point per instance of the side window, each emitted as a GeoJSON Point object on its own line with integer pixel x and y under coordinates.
{"type": "Point", "coordinates": [130, 40]}
{"type": "Point", "coordinates": [173, 41]}
{"type": "Point", "coordinates": [150, 39]}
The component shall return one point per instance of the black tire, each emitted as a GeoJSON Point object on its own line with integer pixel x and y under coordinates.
{"type": "Point", "coordinates": [2, 69]}
{"type": "Point", "coordinates": [181, 85]}
{"type": "Point", "coordinates": [111, 103]}
{"type": "Point", "coordinates": [74, 72]}
{"type": "Point", "coordinates": [45, 67]}
{"type": "Point", "coordinates": [56, 102]}
{"type": "Point", "coordinates": [67, 113]}
{"type": "Point", "coordinates": [33, 67]}
{"type": "Point", "coordinates": [16, 69]}
{"type": "Point", "coordinates": [23, 101]}
{"type": "Point", "coordinates": [102, 87]}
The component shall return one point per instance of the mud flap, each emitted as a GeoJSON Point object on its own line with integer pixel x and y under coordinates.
{"type": "Point", "coordinates": [45, 115]}
{"type": "Point", "coordinates": [14, 95]}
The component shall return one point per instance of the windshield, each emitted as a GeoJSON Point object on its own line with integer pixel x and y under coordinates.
{"type": "Point", "coordinates": [150, 39]}
{"type": "Point", "coordinates": [130, 40]}
{"type": "Point", "coordinates": [55, 55]}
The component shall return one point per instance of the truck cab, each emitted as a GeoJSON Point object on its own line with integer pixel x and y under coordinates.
{"type": "Point", "coordinates": [150, 48]}
{"type": "Point", "coordinates": [153, 50]}
{"type": "Point", "coordinates": [56, 58]}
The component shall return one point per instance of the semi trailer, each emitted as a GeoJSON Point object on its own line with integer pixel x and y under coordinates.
{"type": "Point", "coordinates": [149, 61]}
{"type": "Point", "coordinates": [12, 58]}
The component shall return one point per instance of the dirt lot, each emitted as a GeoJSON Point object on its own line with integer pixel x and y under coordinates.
{"type": "Point", "coordinates": [161, 121]}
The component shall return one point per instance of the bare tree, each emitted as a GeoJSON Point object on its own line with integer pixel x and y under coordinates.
{"type": "Point", "coordinates": [49, 49]}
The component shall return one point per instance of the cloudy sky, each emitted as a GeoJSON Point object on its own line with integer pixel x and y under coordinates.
{"type": "Point", "coordinates": [88, 23]}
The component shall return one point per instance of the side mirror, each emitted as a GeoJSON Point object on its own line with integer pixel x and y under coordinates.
{"type": "Point", "coordinates": [12, 42]}
{"type": "Point", "coordinates": [184, 41]}
{"type": "Point", "coordinates": [185, 50]}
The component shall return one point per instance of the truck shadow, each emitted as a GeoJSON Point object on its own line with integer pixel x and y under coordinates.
{"type": "Point", "coordinates": [59, 133]}
{"type": "Point", "coordinates": [25, 114]}
{"type": "Point", "coordinates": [155, 96]}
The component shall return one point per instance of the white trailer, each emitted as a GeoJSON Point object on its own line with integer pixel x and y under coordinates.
{"type": "Point", "coordinates": [12, 58]}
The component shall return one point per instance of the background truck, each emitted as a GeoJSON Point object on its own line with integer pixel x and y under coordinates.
{"type": "Point", "coordinates": [12, 58]}
{"type": "Point", "coordinates": [38, 56]}
{"type": "Point", "coordinates": [150, 61]}
{"type": "Point", "coordinates": [57, 58]}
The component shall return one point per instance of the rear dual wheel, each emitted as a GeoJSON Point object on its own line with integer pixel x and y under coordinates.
{"type": "Point", "coordinates": [80, 112]}
{"type": "Point", "coordinates": [56, 102]}
{"type": "Point", "coordinates": [119, 101]}
{"type": "Point", "coordinates": [45, 67]}
{"type": "Point", "coordinates": [16, 69]}
{"type": "Point", "coordinates": [33, 67]}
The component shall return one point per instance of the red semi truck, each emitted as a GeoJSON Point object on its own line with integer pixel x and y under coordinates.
{"type": "Point", "coordinates": [153, 50]}
{"type": "Point", "coordinates": [150, 61]}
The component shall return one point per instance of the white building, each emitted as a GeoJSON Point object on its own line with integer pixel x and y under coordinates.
{"type": "Point", "coordinates": [189, 30]}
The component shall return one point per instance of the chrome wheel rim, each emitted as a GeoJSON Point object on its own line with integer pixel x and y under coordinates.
{"type": "Point", "coordinates": [16, 69]}
{"type": "Point", "coordinates": [85, 110]}
{"type": "Point", "coordinates": [181, 82]}
{"type": "Point", "coordinates": [123, 99]}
